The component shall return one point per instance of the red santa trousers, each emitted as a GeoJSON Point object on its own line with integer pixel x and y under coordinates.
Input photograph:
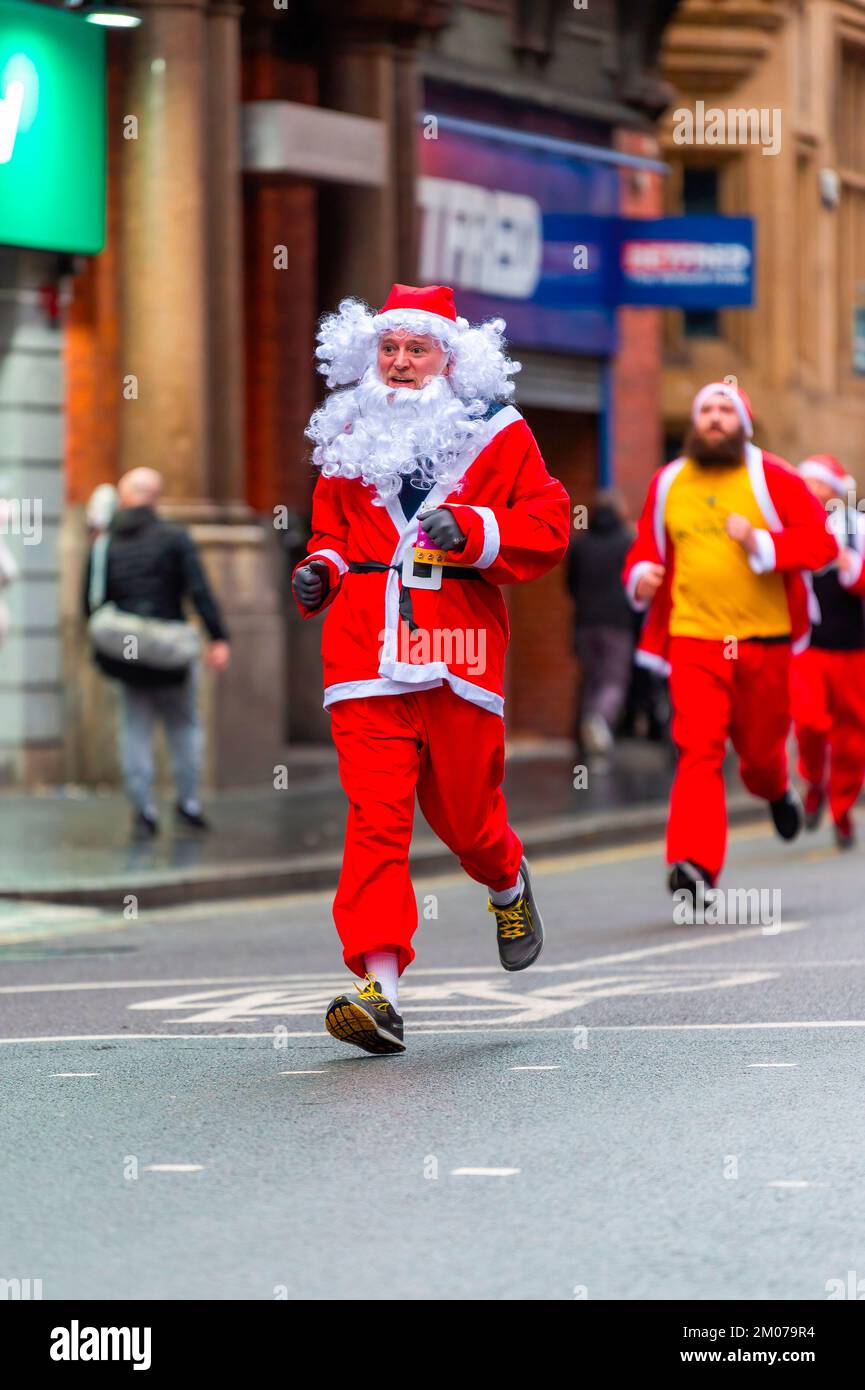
{"type": "Point", "coordinates": [829, 717]}
{"type": "Point", "coordinates": [716, 696]}
{"type": "Point", "coordinates": [452, 754]}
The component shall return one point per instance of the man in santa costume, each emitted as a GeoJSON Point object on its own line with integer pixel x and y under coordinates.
{"type": "Point", "coordinates": [829, 678]}
{"type": "Point", "coordinates": [432, 495]}
{"type": "Point", "coordinates": [724, 535]}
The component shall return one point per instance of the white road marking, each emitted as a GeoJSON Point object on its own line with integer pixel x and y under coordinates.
{"type": "Point", "coordinates": [555, 1068]}
{"type": "Point", "coordinates": [472, 997]}
{"type": "Point", "coordinates": [75, 1073]}
{"type": "Point", "coordinates": [333, 980]}
{"type": "Point", "coordinates": [773, 1064]}
{"type": "Point", "coordinates": [173, 1168]}
{"type": "Point", "coordinates": [784, 1182]}
{"type": "Point", "coordinates": [417, 1031]}
{"type": "Point", "coordinates": [484, 1172]}
{"type": "Point", "coordinates": [319, 1071]}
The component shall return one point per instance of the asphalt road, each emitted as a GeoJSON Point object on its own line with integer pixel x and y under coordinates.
{"type": "Point", "coordinates": [676, 1112]}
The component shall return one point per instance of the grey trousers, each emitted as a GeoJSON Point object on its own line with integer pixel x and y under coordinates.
{"type": "Point", "coordinates": [176, 706]}
{"type": "Point", "coordinates": [605, 655]}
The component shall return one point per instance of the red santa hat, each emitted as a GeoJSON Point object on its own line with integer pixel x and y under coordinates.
{"type": "Point", "coordinates": [421, 308]}
{"type": "Point", "coordinates": [479, 366]}
{"type": "Point", "coordinates": [734, 394]}
{"type": "Point", "coordinates": [829, 471]}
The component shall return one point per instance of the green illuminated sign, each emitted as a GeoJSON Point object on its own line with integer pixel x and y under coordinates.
{"type": "Point", "coordinates": [52, 130]}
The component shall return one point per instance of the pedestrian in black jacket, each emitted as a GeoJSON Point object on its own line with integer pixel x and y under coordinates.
{"type": "Point", "coordinates": [152, 568]}
{"type": "Point", "coordinates": [603, 622]}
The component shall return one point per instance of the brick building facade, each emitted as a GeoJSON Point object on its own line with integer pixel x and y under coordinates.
{"type": "Point", "coordinates": [187, 343]}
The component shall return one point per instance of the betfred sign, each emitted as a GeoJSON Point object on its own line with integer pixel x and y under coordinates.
{"type": "Point", "coordinates": [484, 239]}
{"type": "Point", "coordinates": [688, 262]}
{"type": "Point", "coordinates": [487, 227]}
{"type": "Point", "coordinates": [52, 130]}
{"type": "Point", "coordinates": [534, 236]}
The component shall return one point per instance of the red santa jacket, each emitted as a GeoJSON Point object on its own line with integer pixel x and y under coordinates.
{"type": "Point", "coordinates": [515, 519]}
{"type": "Point", "coordinates": [796, 538]}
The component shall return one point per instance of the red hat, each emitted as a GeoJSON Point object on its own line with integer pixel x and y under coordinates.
{"type": "Point", "coordinates": [431, 307]}
{"type": "Point", "coordinates": [734, 394]}
{"type": "Point", "coordinates": [829, 471]}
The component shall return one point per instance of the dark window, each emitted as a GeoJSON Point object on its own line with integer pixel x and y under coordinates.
{"type": "Point", "coordinates": [700, 195]}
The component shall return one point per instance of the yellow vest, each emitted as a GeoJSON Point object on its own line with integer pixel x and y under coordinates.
{"type": "Point", "coordinates": [715, 592]}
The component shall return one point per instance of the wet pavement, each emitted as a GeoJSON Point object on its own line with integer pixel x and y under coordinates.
{"type": "Point", "coordinates": [76, 845]}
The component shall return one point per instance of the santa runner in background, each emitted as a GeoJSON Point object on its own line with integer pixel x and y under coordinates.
{"type": "Point", "coordinates": [416, 627]}
{"type": "Point", "coordinates": [725, 531]}
{"type": "Point", "coordinates": [828, 680]}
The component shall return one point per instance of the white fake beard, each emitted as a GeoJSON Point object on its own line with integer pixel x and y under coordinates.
{"type": "Point", "coordinates": [381, 434]}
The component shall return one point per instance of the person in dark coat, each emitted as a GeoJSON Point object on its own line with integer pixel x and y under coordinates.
{"type": "Point", "coordinates": [152, 569]}
{"type": "Point", "coordinates": [603, 622]}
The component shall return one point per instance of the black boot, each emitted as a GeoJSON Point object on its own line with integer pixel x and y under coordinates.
{"type": "Point", "coordinates": [686, 874]}
{"type": "Point", "coordinates": [787, 814]}
{"type": "Point", "coordinates": [144, 827]}
{"type": "Point", "coordinates": [192, 818]}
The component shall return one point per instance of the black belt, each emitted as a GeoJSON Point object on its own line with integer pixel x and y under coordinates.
{"type": "Point", "coordinates": [406, 611]}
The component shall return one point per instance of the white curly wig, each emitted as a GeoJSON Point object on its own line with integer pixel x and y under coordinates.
{"type": "Point", "coordinates": [480, 367]}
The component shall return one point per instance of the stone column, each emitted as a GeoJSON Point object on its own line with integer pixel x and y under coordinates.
{"type": "Point", "coordinates": [164, 235]}
{"type": "Point", "coordinates": [183, 342]}
{"type": "Point", "coordinates": [370, 234]}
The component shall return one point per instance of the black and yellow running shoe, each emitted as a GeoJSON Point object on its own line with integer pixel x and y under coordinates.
{"type": "Point", "coordinates": [519, 929]}
{"type": "Point", "coordinates": [367, 1020]}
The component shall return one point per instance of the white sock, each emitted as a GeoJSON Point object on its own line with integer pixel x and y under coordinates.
{"type": "Point", "coordinates": [507, 895]}
{"type": "Point", "coordinates": [384, 967]}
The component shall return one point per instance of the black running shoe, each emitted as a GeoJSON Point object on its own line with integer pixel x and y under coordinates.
{"type": "Point", "coordinates": [845, 835]}
{"type": "Point", "coordinates": [195, 819]}
{"type": "Point", "coordinates": [367, 1020]}
{"type": "Point", "coordinates": [813, 808]}
{"type": "Point", "coordinates": [787, 814]}
{"type": "Point", "coordinates": [519, 929]}
{"type": "Point", "coordinates": [686, 874]}
{"type": "Point", "coordinates": [144, 827]}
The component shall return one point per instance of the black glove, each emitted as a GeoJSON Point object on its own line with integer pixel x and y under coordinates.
{"type": "Point", "coordinates": [311, 584]}
{"type": "Point", "coordinates": [442, 529]}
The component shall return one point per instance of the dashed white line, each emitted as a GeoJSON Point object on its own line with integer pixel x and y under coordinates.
{"type": "Point", "coordinates": [556, 1068]}
{"type": "Point", "coordinates": [795, 1182]}
{"type": "Point", "coordinates": [75, 1073]}
{"type": "Point", "coordinates": [173, 1168]}
{"type": "Point", "coordinates": [773, 1064]}
{"type": "Point", "coordinates": [318, 1071]}
{"type": "Point", "coordinates": [484, 1172]}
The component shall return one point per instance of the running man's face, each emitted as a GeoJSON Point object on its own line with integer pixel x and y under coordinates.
{"type": "Point", "coordinates": [718, 419]}
{"type": "Point", "coordinates": [822, 491]}
{"type": "Point", "coordinates": [410, 359]}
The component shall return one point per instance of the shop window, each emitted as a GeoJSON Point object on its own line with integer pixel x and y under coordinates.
{"type": "Point", "coordinates": [700, 194]}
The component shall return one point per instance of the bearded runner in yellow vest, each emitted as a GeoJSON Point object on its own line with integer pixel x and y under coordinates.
{"type": "Point", "coordinates": [715, 593]}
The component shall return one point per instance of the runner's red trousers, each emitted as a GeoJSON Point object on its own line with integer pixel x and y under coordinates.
{"type": "Point", "coordinates": [449, 752]}
{"type": "Point", "coordinates": [829, 717]}
{"type": "Point", "coordinates": [718, 695]}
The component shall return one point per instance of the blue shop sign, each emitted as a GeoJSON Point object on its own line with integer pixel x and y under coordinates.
{"type": "Point", "coordinates": [533, 235]}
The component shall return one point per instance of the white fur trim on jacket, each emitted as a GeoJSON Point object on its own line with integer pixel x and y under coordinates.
{"type": "Point", "coordinates": [765, 559]}
{"type": "Point", "coordinates": [639, 569]}
{"type": "Point", "coordinates": [492, 538]}
{"type": "Point", "coordinates": [328, 555]}
{"type": "Point", "coordinates": [844, 579]}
